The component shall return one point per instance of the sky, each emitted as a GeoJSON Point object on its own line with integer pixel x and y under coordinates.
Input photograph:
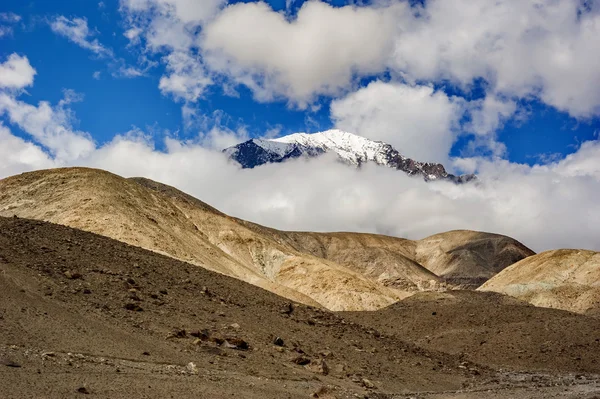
{"type": "Point", "coordinates": [507, 89]}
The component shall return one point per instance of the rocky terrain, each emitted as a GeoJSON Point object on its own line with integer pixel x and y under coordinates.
{"type": "Point", "coordinates": [339, 271]}
{"type": "Point", "coordinates": [85, 315]}
{"type": "Point", "coordinates": [566, 279]}
{"type": "Point", "coordinates": [351, 149]}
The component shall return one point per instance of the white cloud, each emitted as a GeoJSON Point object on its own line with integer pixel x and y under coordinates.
{"type": "Point", "coordinates": [128, 72]}
{"type": "Point", "coordinates": [77, 31]}
{"type": "Point", "coordinates": [9, 17]}
{"type": "Point", "coordinates": [49, 126]}
{"type": "Point", "coordinates": [167, 24]}
{"type": "Point", "coordinates": [16, 72]}
{"type": "Point", "coordinates": [5, 31]}
{"type": "Point", "coordinates": [584, 162]}
{"type": "Point", "coordinates": [187, 77]}
{"type": "Point", "coordinates": [417, 120]}
{"type": "Point", "coordinates": [17, 155]}
{"type": "Point", "coordinates": [545, 48]}
{"type": "Point", "coordinates": [318, 52]}
{"type": "Point", "coordinates": [7, 20]}
{"type": "Point", "coordinates": [187, 11]}
{"type": "Point", "coordinates": [133, 35]}
{"type": "Point", "coordinates": [96, 75]}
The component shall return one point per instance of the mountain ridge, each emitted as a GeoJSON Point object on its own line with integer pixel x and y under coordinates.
{"type": "Point", "coordinates": [350, 148]}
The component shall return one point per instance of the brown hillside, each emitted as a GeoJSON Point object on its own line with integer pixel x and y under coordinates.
{"type": "Point", "coordinates": [493, 329]}
{"type": "Point", "coordinates": [82, 314]}
{"type": "Point", "coordinates": [566, 279]}
{"type": "Point", "coordinates": [469, 258]}
{"type": "Point", "coordinates": [340, 271]}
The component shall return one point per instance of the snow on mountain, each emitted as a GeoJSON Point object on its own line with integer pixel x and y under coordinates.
{"type": "Point", "coordinates": [350, 148]}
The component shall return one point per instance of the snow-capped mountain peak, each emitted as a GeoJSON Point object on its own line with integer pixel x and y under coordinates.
{"type": "Point", "coordinates": [350, 148]}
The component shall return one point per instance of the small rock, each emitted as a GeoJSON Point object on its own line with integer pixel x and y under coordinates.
{"type": "Point", "coordinates": [177, 333]}
{"type": "Point", "coordinates": [83, 390]}
{"type": "Point", "coordinates": [301, 360]}
{"type": "Point", "coordinates": [318, 366]}
{"type": "Point", "coordinates": [164, 292]}
{"type": "Point", "coordinates": [323, 392]}
{"type": "Point", "coordinates": [278, 341]}
{"type": "Point", "coordinates": [72, 275]}
{"type": "Point", "coordinates": [87, 291]}
{"type": "Point", "coordinates": [237, 343]}
{"type": "Point", "coordinates": [133, 307]}
{"type": "Point", "coordinates": [131, 281]}
{"type": "Point", "coordinates": [146, 353]}
{"type": "Point", "coordinates": [48, 354]}
{"type": "Point", "coordinates": [287, 309]}
{"type": "Point", "coordinates": [202, 334]}
{"type": "Point", "coordinates": [367, 384]}
{"type": "Point", "coordinates": [191, 368]}
{"type": "Point", "coordinates": [217, 340]}
{"type": "Point", "coordinates": [9, 363]}
{"type": "Point", "coordinates": [235, 326]}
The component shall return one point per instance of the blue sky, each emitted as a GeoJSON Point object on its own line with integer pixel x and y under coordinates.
{"type": "Point", "coordinates": [115, 104]}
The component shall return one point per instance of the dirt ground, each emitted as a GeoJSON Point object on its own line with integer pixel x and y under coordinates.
{"type": "Point", "coordinates": [84, 315]}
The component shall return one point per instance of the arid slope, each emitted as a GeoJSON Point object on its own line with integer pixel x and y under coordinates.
{"type": "Point", "coordinates": [469, 258]}
{"type": "Point", "coordinates": [566, 279]}
{"type": "Point", "coordinates": [85, 314]}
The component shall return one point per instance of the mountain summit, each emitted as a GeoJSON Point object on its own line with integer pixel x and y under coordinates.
{"type": "Point", "coordinates": [350, 148]}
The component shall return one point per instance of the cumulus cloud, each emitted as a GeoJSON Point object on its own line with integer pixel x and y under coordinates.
{"type": "Point", "coordinates": [403, 115]}
{"type": "Point", "coordinates": [18, 155]}
{"type": "Point", "coordinates": [187, 11]}
{"type": "Point", "coordinates": [187, 77]}
{"type": "Point", "coordinates": [49, 126]}
{"type": "Point", "coordinates": [543, 48]}
{"type": "Point", "coordinates": [16, 72]}
{"type": "Point", "coordinates": [319, 52]}
{"type": "Point", "coordinates": [77, 31]}
{"type": "Point", "coordinates": [7, 21]}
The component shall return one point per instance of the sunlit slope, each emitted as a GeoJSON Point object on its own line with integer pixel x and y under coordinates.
{"type": "Point", "coordinates": [566, 279]}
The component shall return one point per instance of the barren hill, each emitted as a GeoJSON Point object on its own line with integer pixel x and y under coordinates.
{"type": "Point", "coordinates": [492, 329]}
{"type": "Point", "coordinates": [469, 258]}
{"type": "Point", "coordinates": [564, 279]}
{"type": "Point", "coordinates": [340, 271]}
{"type": "Point", "coordinates": [82, 314]}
